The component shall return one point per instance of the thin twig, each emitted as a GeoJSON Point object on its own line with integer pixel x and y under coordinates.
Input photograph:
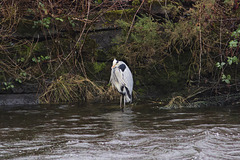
{"type": "Point", "coordinates": [86, 21]}
{"type": "Point", "coordinates": [80, 37]}
{"type": "Point", "coordinates": [197, 92]}
{"type": "Point", "coordinates": [133, 21]}
{"type": "Point", "coordinates": [200, 45]}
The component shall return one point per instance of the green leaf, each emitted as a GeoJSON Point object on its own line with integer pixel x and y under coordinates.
{"type": "Point", "coordinates": [227, 81]}
{"type": "Point", "coordinates": [223, 76]}
{"type": "Point", "coordinates": [233, 43]}
{"type": "Point", "coordinates": [41, 4]}
{"type": "Point", "coordinates": [233, 33]}
{"type": "Point", "coordinates": [18, 80]}
{"type": "Point", "coordinates": [47, 57]}
{"type": "Point", "coordinates": [73, 24]}
{"type": "Point", "coordinates": [59, 19]}
{"type": "Point", "coordinates": [220, 65]}
{"type": "Point", "coordinates": [21, 59]}
{"type": "Point", "coordinates": [235, 59]}
{"type": "Point", "coordinates": [230, 61]}
{"type": "Point", "coordinates": [137, 83]}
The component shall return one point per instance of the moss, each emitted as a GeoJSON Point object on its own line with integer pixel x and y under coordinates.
{"type": "Point", "coordinates": [23, 51]}
{"type": "Point", "coordinates": [126, 14]}
{"type": "Point", "coordinates": [98, 66]}
{"type": "Point", "coordinates": [89, 48]}
{"type": "Point", "coordinates": [26, 51]}
{"type": "Point", "coordinates": [25, 28]}
{"type": "Point", "coordinates": [135, 2]}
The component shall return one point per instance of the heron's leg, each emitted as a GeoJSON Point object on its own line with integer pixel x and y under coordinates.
{"type": "Point", "coordinates": [121, 101]}
{"type": "Point", "coordinates": [124, 101]}
{"type": "Point", "coordinates": [121, 107]}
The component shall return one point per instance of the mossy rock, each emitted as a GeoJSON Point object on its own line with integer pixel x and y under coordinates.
{"type": "Point", "coordinates": [125, 14]}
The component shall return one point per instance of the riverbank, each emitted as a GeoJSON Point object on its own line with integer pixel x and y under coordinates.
{"type": "Point", "coordinates": [64, 51]}
{"type": "Point", "coordinates": [198, 97]}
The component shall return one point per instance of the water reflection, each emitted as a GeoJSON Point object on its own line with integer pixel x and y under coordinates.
{"type": "Point", "coordinates": [104, 132]}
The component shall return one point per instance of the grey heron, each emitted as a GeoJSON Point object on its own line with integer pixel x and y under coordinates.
{"type": "Point", "coordinates": [122, 79]}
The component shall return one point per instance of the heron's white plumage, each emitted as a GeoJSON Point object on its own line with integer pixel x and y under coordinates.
{"type": "Point", "coordinates": [121, 78]}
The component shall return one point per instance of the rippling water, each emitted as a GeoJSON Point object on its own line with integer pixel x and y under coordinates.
{"type": "Point", "coordinates": [104, 132]}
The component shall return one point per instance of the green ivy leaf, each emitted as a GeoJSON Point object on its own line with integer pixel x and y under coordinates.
{"type": "Point", "coordinates": [233, 43]}
{"type": "Point", "coordinates": [220, 65]}
{"type": "Point", "coordinates": [223, 76]}
{"type": "Point", "coordinates": [235, 59]}
{"type": "Point", "coordinates": [226, 79]}
{"type": "Point", "coordinates": [230, 61]}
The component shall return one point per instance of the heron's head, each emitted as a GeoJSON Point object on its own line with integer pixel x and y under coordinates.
{"type": "Point", "coordinates": [115, 62]}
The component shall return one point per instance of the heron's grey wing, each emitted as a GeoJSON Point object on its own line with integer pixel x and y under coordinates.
{"type": "Point", "coordinates": [128, 79]}
{"type": "Point", "coordinates": [118, 75]}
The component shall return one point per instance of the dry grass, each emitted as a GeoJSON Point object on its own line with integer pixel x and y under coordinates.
{"type": "Point", "coordinates": [72, 88]}
{"type": "Point", "coordinates": [176, 102]}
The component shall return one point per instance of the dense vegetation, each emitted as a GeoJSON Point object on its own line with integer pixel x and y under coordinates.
{"type": "Point", "coordinates": [170, 46]}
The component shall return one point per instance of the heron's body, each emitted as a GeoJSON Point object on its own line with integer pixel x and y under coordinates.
{"type": "Point", "coordinates": [121, 78]}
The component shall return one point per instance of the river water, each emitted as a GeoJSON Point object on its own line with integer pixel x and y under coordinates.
{"type": "Point", "coordinates": [94, 131]}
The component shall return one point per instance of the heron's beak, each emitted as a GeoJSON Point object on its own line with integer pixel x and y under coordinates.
{"type": "Point", "coordinates": [113, 66]}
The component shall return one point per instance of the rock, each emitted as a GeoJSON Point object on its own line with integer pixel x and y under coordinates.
{"type": "Point", "coordinates": [18, 99]}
